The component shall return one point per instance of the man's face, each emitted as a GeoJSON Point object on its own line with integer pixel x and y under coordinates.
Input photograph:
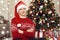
{"type": "Point", "coordinates": [22, 12]}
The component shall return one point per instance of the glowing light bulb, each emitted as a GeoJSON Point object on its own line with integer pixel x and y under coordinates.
{"type": "Point", "coordinates": [1, 21]}
{"type": "Point", "coordinates": [3, 27]}
{"type": "Point", "coordinates": [49, 12]}
{"type": "Point", "coordinates": [1, 1]}
{"type": "Point", "coordinates": [6, 39]}
{"type": "Point", "coordinates": [57, 3]}
{"type": "Point", "coordinates": [0, 12]}
{"type": "Point", "coordinates": [7, 8]}
{"type": "Point", "coordinates": [3, 32]}
{"type": "Point", "coordinates": [7, 31]}
{"type": "Point", "coordinates": [8, 3]}
{"type": "Point", "coordinates": [3, 9]}
{"type": "Point", "coordinates": [41, 6]}
{"type": "Point", "coordinates": [15, 1]}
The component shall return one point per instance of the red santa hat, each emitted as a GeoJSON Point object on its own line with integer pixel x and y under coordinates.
{"type": "Point", "coordinates": [21, 5]}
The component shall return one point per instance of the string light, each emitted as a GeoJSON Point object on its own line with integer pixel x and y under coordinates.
{"type": "Point", "coordinates": [7, 31]}
{"type": "Point", "coordinates": [45, 18]}
{"type": "Point", "coordinates": [58, 24]}
{"type": "Point", "coordinates": [15, 1]}
{"type": "Point", "coordinates": [1, 21]}
{"type": "Point", "coordinates": [8, 3]}
{"type": "Point", "coordinates": [45, 1]}
{"type": "Point", "coordinates": [7, 8]}
{"type": "Point", "coordinates": [3, 27]}
{"type": "Point", "coordinates": [6, 39]}
{"type": "Point", "coordinates": [11, 15]}
{"type": "Point", "coordinates": [49, 12]}
{"type": "Point", "coordinates": [3, 9]}
{"type": "Point", "coordinates": [3, 32]}
{"type": "Point", "coordinates": [57, 3]}
{"type": "Point", "coordinates": [0, 12]}
{"type": "Point", "coordinates": [1, 1]}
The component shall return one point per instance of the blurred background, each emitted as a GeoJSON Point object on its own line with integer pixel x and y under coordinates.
{"type": "Point", "coordinates": [7, 7]}
{"type": "Point", "coordinates": [7, 11]}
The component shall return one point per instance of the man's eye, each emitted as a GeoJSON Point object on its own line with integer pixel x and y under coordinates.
{"type": "Point", "coordinates": [20, 9]}
{"type": "Point", "coordinates": [24, 8]}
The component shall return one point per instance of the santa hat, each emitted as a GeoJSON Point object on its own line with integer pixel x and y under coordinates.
{"type": "Point", "coordinates": [21, 5]}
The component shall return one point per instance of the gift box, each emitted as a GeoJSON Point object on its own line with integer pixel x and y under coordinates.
{"type": "Point", "coordinates": [4, 28]}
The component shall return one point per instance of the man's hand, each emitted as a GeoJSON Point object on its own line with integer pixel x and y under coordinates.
{"type": "Point", "coordinates": [20, 31]}
{"type": "Point", "coordinates": [30, 30]}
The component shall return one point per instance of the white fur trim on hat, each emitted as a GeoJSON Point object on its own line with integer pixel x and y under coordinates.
{"type": "Point", "coordinates": [22, 6]}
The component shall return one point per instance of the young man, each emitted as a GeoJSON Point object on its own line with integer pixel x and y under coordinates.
{"type": "Point", "coordinates": [22, 27]}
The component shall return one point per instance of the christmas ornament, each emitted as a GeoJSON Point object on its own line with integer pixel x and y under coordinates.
{"type": "Point", "coordinates": [1, 21]}
{"type": "Point", "coordinates": [3, 27]}
{"type": "Point", "coordinates": [3, 32]}
{"type": "Point", "coordinates": [41, 6]}
{"type": "Point", "coordinates": [49, 12]}
{"type": "Point", "coordinates": [30, 12]}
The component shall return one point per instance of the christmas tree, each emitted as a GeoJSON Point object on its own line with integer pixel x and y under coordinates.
{"type": "Point", "coordinates": [43, 14]}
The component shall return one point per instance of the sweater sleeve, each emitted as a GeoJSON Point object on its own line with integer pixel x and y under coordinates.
{"type": "Point", "coordinates": [13, 26]}
{"type": "Point", "coordinates": [30, 34]}
{"type": "Point", "coordinates": [14, 30]}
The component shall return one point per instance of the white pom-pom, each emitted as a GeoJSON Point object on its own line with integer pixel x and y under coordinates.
{"type": "Point", "coordinates": [18, 25]}
{"type": "Point", "coordinates": [0, 12]}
